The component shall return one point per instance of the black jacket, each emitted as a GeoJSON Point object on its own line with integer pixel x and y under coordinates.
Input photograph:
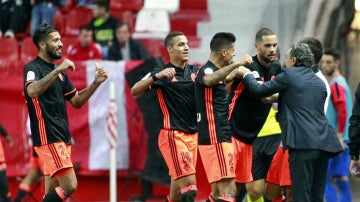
{"type": "Point", "coordinates": [301, 109]}
{"type": "Point", "coordinates": [354, 128]}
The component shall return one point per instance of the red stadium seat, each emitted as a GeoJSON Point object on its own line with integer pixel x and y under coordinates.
{"type": "Point", "coordinates": [132, 5]}
{"type": "Point", "coordinates": [75, 19]}
{"type": "Point", "coordinates": [188, 26]}
{"type": "Point", "coordinates": [191, 4]}
{"type": "Point", "coordinates": [152, 46]}
{"type": "Point", "coordinates": [28, 50]}
{"type": "Point", "coordinates": [9, 49]}
{"type": "Point", "coordinates": [125, 16]}
{"type": "Point", "coordinates": [59, 22]}
{"type": "Point", "coordinates": [67, 41]}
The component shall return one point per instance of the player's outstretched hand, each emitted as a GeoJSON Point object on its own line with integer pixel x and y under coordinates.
{"type": "Point", "coordinates": [101, 74]}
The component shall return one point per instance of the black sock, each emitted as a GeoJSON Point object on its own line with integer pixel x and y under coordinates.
{"type": "Point", "coordinates": [21, 193]}
{"type": "Point", "coordinates": [4, 186]}
{"type": "Point", "coordinates": [52, 197]}
{"type": "Point", "coordinates": [188, 196]}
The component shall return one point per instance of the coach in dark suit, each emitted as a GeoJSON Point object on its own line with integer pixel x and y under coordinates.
{"type": "Point", "coordinates": [124, 47]}
{"type": "Point", "coordinates": [305, 130]}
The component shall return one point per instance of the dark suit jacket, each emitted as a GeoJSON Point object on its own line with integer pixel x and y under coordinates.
{"type": "Point", "coordinates": [301, 109]}
{"type": "Point", "coordinates": [354, 128]}
{"type": "Point", "coordinates": [137, 51]}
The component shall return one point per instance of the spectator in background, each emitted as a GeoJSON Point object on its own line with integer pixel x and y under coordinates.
{"type": "Point", "coordinates": [4, 185]}
{"type": "Point", "coordinates": [338, 114]}
{"type": "Point", "coordinates": [6, 7]}
{"type": "Point", "coordinates": [85, 48]}
{"type": "Point", "coordinates": [354, 135]}
{"type": "Point", "coordinates": [85, 3]}
{"type": "Point", "coordinates": [124, 47]}
{"type": "Point", "coordinates": [43, 12]}
{"type": "Point", "coordinates": [19, 19]}
{"type": "Point", "coordinates": [103, 25]}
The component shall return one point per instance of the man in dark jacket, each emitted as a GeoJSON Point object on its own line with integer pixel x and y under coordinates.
{"type": "Point", "coordinates": [124, 47]}
{"type": "Point", "coordinates": [354, 135]}
{"type": "Point", "coordinates": [305, 130]}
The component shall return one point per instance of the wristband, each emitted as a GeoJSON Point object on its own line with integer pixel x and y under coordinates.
{"type": "Point", "coordinates": [354, 158]}
{"type": "Point", "coordinates": [154, 78]}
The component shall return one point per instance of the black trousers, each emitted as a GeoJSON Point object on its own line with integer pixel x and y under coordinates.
{"type": "Point", "coordinates": [308, 170]}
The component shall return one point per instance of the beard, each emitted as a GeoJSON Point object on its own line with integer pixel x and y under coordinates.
{"type": "Point", "coordinates": [267, 60]}
{"type": "Point", "coordinates": [52, 55]}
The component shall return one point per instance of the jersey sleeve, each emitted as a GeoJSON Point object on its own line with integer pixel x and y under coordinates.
{"type": "Point", "coordinates": [68, 89]}
{"type": "Point", "coordinates": [158, 82]}
{"type": "Point", "coordinates": [338, 96]}
{"type": "Point", "coordinates": [31, 74]}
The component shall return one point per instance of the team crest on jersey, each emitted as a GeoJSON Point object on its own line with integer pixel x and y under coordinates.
{"type": "Point", "coordinates": [30, 76]}
{"type": "Point", "coordinates": [208, 71]}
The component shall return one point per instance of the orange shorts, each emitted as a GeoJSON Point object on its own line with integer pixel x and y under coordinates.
{"type": "Point", "coordinates": [279, 171]}
{"type": "Point", "coordinates": [2, 157]}
{"type": "Point", "coordinates": [2, 154]}
{"type": "Point", "coordinates": [35, 161]}
{"type": "Point", "coordinates": [243, 156]}
{"type": "Point", "coordinates": [56, 157]}
{"type": "Point", "coordinates": [218, 160]}
{"type": "Point", "coordinates": [179, 150]}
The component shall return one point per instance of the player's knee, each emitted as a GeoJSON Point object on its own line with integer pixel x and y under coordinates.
{"type": "Point", "coordinates": [70, 188]}
{"type": "Point", "coordinates": [254, 192]}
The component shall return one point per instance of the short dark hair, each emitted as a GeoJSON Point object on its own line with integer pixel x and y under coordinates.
{"type": "Point", "coordinates": [221, 40]}
{"type": "Point", "coordinates": [303, 55]}
{"type": "Point", "coordinates": [85, 27]}
{"type": "Point", "coordinates": [41, 33]}
{"type": "Point", "coordinates": [169, 38]}
{"type": "Point", "coordinates": [315, 47]}
{"type": "Point", "coordinates": [333, 52]}
{"type": "Point", "coordinates": [120, 24]}
{"type": "Point", "coordinates": [103, 3]}
{"type": "Point", "coordinates": [263, 32]}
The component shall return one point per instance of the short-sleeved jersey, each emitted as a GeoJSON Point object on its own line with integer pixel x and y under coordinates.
{"type": "Point", "coordinates": [176, 98]}
{"type": "Point", "coordinates": [248, 114]}
{"type": "Point", "coordinates": [47, 112]}
{"type": "Point", "coordinates": [340, 106]}
{"type": "Point", "coordinates": [212, 109]}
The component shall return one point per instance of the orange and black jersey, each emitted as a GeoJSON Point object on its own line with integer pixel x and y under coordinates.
{"type": "Point", "coordinates": [247, 114]}
{"type": "Point", "coordinates": [212, 109]}
{"type": "Point", "coordinates": [176, 98]}
{"type": "Point", "coordinates": [48, 116]}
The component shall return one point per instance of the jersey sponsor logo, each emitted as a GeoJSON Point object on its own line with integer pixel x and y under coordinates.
{"type": "Point", "coordinates": [198, 117]}
{"type": "Point", "coordinates": [30, 76]}
{"type": "Point", "coordinates": [208, 71]}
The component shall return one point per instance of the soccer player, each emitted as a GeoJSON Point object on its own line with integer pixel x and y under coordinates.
{"type": "Point", "coordinates": [215, 144]}
{"type": "Point", "coordinates": [4, 184]}
{"type": "Point", "coordinates": [338, 114]}
{"type": "Point", "coordinates": [174, 85]}
{"type": "Point", "coordinates": [252, 117]}
{"type": "Point", "coordinates": [47, 88]}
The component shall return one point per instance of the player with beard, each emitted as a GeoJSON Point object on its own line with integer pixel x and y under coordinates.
{"type": "Point", "coordinates": [252, 117]}
{"type": "Point", "coordinates": [46, 88]}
